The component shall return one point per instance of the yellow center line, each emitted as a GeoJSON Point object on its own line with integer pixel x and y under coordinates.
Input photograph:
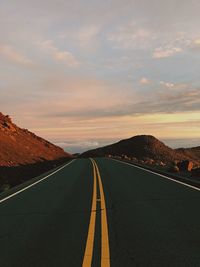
{"type": "Point", "coordinates": [87, 260]}
{"type": "Point", "coordinates": [105, 251]}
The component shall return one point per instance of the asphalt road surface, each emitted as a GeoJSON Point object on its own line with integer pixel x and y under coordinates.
{"type": "Point", "coordinates": [101, 212]}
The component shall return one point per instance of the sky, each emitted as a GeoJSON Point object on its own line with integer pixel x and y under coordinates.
{"type": "Point", "coordinates": [87, 73]}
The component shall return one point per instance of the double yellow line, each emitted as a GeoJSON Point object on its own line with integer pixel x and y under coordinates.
{"type": "Point", "coordinates": [105, 251]}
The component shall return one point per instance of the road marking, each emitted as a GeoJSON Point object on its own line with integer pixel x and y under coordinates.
{"type": "Point", "coordinates": [87, 260]}
{"type": "Point", "coordinates": [44, 178]}
{"type": "Point", "coordinates": [105, 251]}
{"type": "Point", "coordinates": [158, 174]}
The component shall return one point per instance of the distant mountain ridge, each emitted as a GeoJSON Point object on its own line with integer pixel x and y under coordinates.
{"type": "Point", "coordinates": [141, 147]}
{"type": "Point", "coordinates": [20, 146]}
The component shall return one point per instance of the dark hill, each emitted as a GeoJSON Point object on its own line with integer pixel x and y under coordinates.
{"type": "Point", "coordinates": [140, 147]}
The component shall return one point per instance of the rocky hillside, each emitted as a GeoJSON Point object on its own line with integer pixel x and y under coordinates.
{"type": "Point", "coordinates": [19, 146]}
{"type": "Point", "coordinates": [24, 155]}
{"type": "Point", "coordinates": [193, 152]}
{"type": "Point", "coordinates": [140, 147]}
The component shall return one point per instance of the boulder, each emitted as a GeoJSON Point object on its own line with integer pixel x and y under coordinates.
{"type": "Point", "coordinates": [149, 161]}
{"type": "Point", "coordinates": [134, 159]}
{"type": "Point", "coordinates": [185, 165]}
{"type": "Point", "coordinates": [141, 161]}
{"type": "Point", "coordinates": [162, 164]}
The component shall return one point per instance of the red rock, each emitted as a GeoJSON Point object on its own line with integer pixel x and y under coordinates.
{"type": "Point", "coordinates": [185, 165]}
{"type": "Point", "coordinates": [162, 164]}
{"type": "Point", "coordinates": [19, 146]}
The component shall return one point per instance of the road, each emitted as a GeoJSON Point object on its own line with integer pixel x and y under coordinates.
{"type": "Point", "coordinates": [101, 213]}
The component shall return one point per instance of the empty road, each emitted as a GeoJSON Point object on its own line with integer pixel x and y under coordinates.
{"type": "Point", "coordinates": [101, 213]}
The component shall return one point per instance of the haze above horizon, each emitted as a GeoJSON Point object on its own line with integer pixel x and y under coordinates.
{"type": "Point", "coordinates": [93, 72]}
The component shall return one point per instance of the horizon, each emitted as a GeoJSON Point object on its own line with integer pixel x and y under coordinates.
{"type": "Point", "coordinates": [87, 74]}
{"type": "Point", "coordinates": [85, 146]}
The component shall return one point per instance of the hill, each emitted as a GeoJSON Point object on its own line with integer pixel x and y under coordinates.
{"type": "Point", "coordinates": [23, 154]}
{"type": "Point", "coordinates": [193, 152]}
{"type": "Point", "coordinates": [140, 147]}
{"type": "Point", "coordinates": [19, 146]}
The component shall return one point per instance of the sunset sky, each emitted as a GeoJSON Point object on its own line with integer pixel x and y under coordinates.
{"type": "Point", "coordinates": [87, 73]}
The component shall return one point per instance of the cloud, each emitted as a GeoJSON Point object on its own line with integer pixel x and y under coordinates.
{"type": "Point", "coordinates": [87, 36]}
{"type": "Point", "coordinates": [167, 84]}
{"type": "Point", "coordinates": [163, 52]}
{"type": "Point", "coordinates": [13, 55]}
{"type": "Point", "coordinates": [145, 81]}
{"type": "Point", "coordinates": [74, 146]}
{"type": "Point", "coordinates": [195, 44]}
{"type": "Point", "coordinates": [48, 44]}
{"type": "Point", "coordinates": [64, 56]}
{"type": "Point", "coordinates": [135, 35]}
{"type": "Point", "coordinates": [131, 36]}
{"type": "Point", "coordinates": [85, 143]}
{"type": "Point", "coordinates": [182, 99]}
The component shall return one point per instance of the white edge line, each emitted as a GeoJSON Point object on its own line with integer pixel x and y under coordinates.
{"type": "Point", "coordinates": [158, 174]}
{"type": "Point", "coordinates": [25, 188]}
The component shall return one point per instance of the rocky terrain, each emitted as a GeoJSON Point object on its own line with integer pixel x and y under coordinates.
{"type": "Point", "coordinates": [193, 152]}
{"type": "Point", "coordinates": [148, 150]}
{"type": "Point", "coordinates": [23, 154]}
{"type": "Point", "coordinates": [140, 147]}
